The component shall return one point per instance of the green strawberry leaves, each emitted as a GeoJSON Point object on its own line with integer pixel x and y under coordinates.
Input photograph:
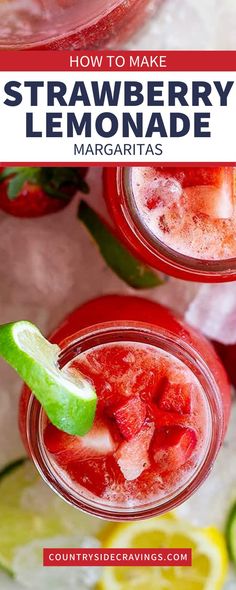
{"type": "Point", "coordinates": [118, 258]}
{"type": "Point", "coordinates": [51, 180]}
{"type": "Point", "coordinates": [17, 177]}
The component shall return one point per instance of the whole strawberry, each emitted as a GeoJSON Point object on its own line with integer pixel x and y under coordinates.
{"type": "Point", "coordinates": [227, 354]}
{"type": "Point", "coordinates": [33, 192]}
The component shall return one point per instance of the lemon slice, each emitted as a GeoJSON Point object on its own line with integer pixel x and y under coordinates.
{"type": "Point", "coordinates": [209, 567]}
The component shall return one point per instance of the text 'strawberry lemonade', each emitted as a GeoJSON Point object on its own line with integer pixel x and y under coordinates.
{"type": "Point", "coordinates": [179, 220]}
{"type": "Point", "coordinates": [163, 406]}
{"type": "Point", "coordinates": [69, 24]}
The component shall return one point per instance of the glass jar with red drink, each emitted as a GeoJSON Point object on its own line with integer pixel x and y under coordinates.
{"type": "Point", "coordinates": [70, 24]}
{"type": "Point", "coordinates": [163, 408]}
{"type": "Point", "coordinates": [180, 220]}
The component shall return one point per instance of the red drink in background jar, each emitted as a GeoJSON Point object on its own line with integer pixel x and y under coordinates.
{"type": "Point", "coordinates": [163, 407]}
{"type": "Point", "coordinates": [70, 24]}
{"type": "Point", "coordinates": [181, 221]}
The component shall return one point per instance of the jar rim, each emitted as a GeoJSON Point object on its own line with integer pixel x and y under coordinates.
{"type": "Point", "coordinates": [224, 269]}
{"type": "Point", "coordinates": [84, 340]}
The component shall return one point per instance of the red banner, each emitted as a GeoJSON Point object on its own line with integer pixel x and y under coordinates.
{"type": "Point", "coordinates": [176, 61]}
{"type": "Point", "coordinates": [59, 557]}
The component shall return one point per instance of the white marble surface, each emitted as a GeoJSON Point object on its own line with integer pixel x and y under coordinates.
{"type": "Point", "coordinates": [48, 266]}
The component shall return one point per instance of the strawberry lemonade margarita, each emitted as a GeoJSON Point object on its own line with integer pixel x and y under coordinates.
{"type": "Point", "coordinates": [179, 220]}
{"type": "Point", "coordinates": [162, 411]}
{"type": "Point", "coordinates": [69, 24]}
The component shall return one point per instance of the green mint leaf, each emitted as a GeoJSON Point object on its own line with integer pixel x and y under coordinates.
{"type": "Point", "coordinates": [117, 257]}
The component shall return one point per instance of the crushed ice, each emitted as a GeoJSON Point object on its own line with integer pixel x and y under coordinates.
{"type": "Point", "coordinates": [30, 573]}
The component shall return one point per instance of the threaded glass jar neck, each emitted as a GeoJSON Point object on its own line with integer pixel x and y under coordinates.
{"type": "Point", "coordinates": [224, 268]}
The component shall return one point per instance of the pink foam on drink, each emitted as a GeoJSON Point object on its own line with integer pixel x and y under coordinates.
{"type": "Point", "coordinates": [69, 24]}
{"type": "Point", "coordinates": [37, 19]}
{"type": "Point", "coordinates": [195, 217]}
{"type": "Point", "coordinates": [142, 446]}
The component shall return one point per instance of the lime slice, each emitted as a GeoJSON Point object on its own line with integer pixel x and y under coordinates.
{"type": "Point", "coordinates": [68, 399]}
{"type": "Point", "coordinates": [31, 511]}
{"type": "Point", "coordinates": [231, 533]}
{"type": "Point", "coordinates": [118, 258]}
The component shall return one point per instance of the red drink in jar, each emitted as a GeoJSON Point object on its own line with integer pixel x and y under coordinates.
{"type": "Point", "coordinates": [181, 221]}
{"type": "Point", "coordinates": [69, 24]}
{"type": "Point", "coordinates": [163, 407]}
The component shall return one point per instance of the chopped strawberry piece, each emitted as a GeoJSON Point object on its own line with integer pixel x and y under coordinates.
{"type": "Point", "coordinates": [98, 442]}
{"type": "Point", "coordinates": [210, 190]}
{"type": "Point", "coordinates": [148, 382]}
{"type": "Point", "coordinates": [112, 373]}
{"type": "Point", "coordinates": [96, 475]}
{"type": "Point", "coordinates": [214, 200]}
{"type": "Point", "coordinates": [132, 456]}
{"type": "Point", "coordinates": [176, 397]}
{"type": "Point", "coordinates": [89, 474]}
{"type": "Point", "coordinates": [209, 175]}
{"type": "Point", "coordinates": [196, 175]}
{"type": "Point", "coordinates": [130, 417]}
{"type": "Point", "coordinates": [56, 440]}
{"type": "Point", "coordinates": [152, 201]}
{"type": "Point", "coordinates": [165, 417]}
{"type": "Point", "coordinates": [173, 446]}
{"type": "Point", "coordinates": [209, 200]}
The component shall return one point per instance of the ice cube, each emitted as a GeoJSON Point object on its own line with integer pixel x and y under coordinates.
{"type": "Point", "coordinates": [154, 189]}
{"type": "Point", "coordinates": [30, 573]}
{"type": "Point", "coordinates": [213, 311]}
{"type": "Point", "coordinates": [132, 456]}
